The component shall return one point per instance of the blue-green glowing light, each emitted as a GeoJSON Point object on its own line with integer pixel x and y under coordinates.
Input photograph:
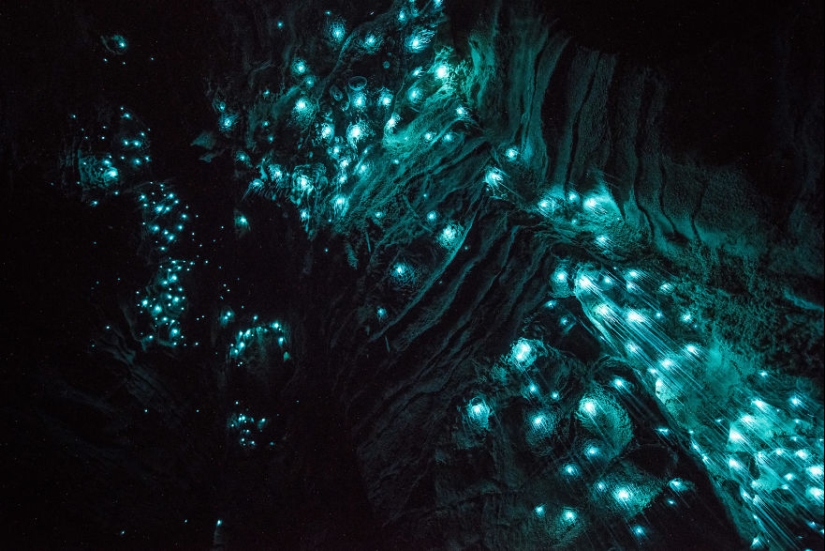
{"type": "Point", "coordinates": [479, 412]}
{"type": "Point", "coordinates": [299, 67]}
{"type": "Point", "coordinates": [227, 121]}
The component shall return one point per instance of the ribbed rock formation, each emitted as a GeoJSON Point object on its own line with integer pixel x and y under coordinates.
{"type": "Point", "coordinates": [462, 351]}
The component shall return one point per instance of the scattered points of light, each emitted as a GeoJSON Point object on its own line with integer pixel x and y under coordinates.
{"type": "Point", "coordinates": [767, 426]}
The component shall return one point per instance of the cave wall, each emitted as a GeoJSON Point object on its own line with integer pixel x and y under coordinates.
{"type": "Point", "coordinates": [712, 151]}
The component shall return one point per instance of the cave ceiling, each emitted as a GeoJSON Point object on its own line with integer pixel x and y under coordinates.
{"type": "Point", "coordinates": [412, 275]}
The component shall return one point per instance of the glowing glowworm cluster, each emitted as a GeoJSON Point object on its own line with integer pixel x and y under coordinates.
{"type": "Point", "coordinates": [247, 431]}
{"type": "Point", "coordinates": [259, 339]}
{"type": "Point", "coordinates": [109, 157]}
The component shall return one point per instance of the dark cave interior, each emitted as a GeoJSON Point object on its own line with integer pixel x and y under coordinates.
{"type": "Point", "coordinates": [549, 276]}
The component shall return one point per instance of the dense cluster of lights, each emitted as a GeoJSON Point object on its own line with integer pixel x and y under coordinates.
{"type": "Point", "coordinates": [164, 300]}
{"type": "Point", "coordinates": [362, 138]}
{"type": "Point", "coordinates": [164, 217]}
{"type": "Point", "coordinates": [359, 147]}
{"type": "Point", "coordinates": [258, 338]}
{"type": "Point", "coordinates": [248, 431]}
{"type": "Point", "coordinates": [111, 164]}
{"type": "Point", "coordinates": [165, 303]}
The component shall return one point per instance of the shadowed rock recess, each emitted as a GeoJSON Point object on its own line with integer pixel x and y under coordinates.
{"type": "Point", "coordinates": [412, 275]}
